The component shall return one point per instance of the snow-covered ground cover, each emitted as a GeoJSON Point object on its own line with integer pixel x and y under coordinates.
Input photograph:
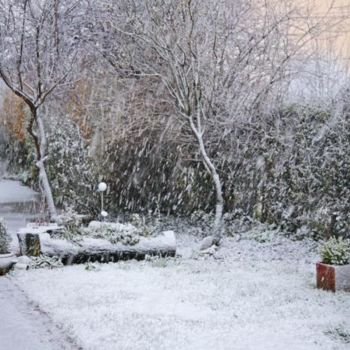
{"type": "Point", "coordinates": [249, 295]}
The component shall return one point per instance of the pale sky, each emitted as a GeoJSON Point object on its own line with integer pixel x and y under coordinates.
{"type": "Point", "coordinates": [337, 38]}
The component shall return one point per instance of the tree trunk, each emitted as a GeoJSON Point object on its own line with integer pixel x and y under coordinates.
{"type": "Point", "coordinates": [46, 188]}
{"type": "Point", "coordinates": [42, 171]}
{"type": "Point", "coordinates": [29, 244]}
{"type": "Point", "coordinates": [93, 249]}
{"type": "Point", "coordinates": [40, 147]}
{"type": "Point", "coordinates": [209, 165]}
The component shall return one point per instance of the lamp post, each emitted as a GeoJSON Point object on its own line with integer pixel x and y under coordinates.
{"type": "Point", "coordinates": [102, 187]}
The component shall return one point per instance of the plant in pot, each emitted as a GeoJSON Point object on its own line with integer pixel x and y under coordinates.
{"type": "Point", "coordinates": [333, 272]}
{"type": "Point", "coordinates": [6, 258]}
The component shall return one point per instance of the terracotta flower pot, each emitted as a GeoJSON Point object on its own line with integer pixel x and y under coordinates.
{"type": "Point", "coordinates": [333, 277]}
{"type": "Point", "coordinates": [6, 262]}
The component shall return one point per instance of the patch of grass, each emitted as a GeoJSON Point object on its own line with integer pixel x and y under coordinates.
{"type": "Point", "coordinates": [339, 333]}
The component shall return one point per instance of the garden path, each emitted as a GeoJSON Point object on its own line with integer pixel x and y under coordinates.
{"type": "Point", "coordinates": [22, 325]}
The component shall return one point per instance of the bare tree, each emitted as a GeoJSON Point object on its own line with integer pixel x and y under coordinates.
{"type": "Point", "coordinates": [39, 44]}
{"type": "Point", "coordinates": [219, 61]}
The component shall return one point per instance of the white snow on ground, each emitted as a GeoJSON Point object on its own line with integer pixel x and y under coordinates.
{"type": "Point", "coordinates": [23, 327]}
{"type": "Point", "coordinates": [249, 296]}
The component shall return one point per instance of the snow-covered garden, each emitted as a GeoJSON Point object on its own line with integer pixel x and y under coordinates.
{"type": "Point", "coordinates": [174, 175]}
{"type": "Point", "coordinates": [247, 295]}
{"type": "Point", "coordinates": [257, 289]}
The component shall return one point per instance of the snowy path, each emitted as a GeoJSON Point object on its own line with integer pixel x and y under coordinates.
{"type": "Point", "coordinates": [24, 327]}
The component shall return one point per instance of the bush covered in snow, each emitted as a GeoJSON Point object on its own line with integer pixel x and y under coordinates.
{"type": "Point", "coordinates": [71, 172]}
{"type": "Point", "coordinates": [336, 251]}
{"type": "Point", "coordinates": [20, 156]}
{"type": "Point", "coordinates": [4, 239]}
{"type": "Point", "coordinates": [41, 262]}
{"type": "Point", "coordinates": [127, 233]}
{"type": "Point", "coordinates": [292, 169]}
{"type": "Point", "coordinates": [123, 234]}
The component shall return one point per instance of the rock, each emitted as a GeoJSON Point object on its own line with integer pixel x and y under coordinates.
{"type": "Point", "coordinates": [19, 266]}
{"type": "Point", "coordinates": [238, 237]}
{"type": "Point", "coordinates": [209, 251]}
{"type": "Point", "coordinates": [6, 263]}
{"type": "Point", "coordinates": [207, 242]}
{"type": "Point", "coordinates": [24, 260]}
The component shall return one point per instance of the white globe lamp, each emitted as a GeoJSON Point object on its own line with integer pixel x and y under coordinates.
{"type": "Point", "coordinates": [102, 186]}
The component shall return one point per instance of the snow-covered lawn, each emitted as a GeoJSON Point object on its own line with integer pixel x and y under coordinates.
{"type": "Point", "coordinates": [249, 296]}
